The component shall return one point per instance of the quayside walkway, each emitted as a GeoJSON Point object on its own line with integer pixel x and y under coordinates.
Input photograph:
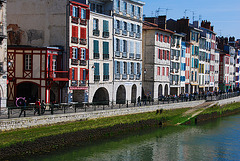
{"type": "Point", "coordinates": [46, 119]}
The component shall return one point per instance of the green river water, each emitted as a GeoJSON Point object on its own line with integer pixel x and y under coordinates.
{"type": "Point", "coordinates": [216, 140]}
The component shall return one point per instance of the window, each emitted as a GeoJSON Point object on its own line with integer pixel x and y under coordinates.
{"type": "Point", "coordinates": [105, 50]}
{"type": "Point", "coordinates": [132, 27]}
{"type": "Point", "coordinates": [124, 46]}
{"type": "Point", "coordinates": [132, 68]}
{"type": "Point", "coordinates": [54, 67]}
{"type": "Point", "coordinates": [138, 68]}
{"type": "Point", "coordinates": [105, 69]}
{"type": "Point", "coordinates": [28, 62]}
{"type": "Point", "coordinates": [125, 26]}
{"type": "Point", "coordinates": [163, 71]}
{"type": "Point", "coordinates": [73, 73]}
{"type": "Point", "coordinates": [95, 24]}
{"type": "Point", "coordinates": [158, 70]}
{"type": "Point", "coordinates": [75, 11]}
{"type": "Point", "coordinates": [74, 31]}
{"type": "Point", "coordinates": [117, 45]}
{"type": "Point", "coordinates": [132, 9]}
{"type": "Point", "coordinates": [96, 46]}
{"type": "Point", "coordinates": [83, 13]}
{"type": "Point", "coordinates": [138, 29]}
{"type": "Point", "coordinates": [83, 54]}
{"type": "Point", "coordinates": [124, 6]}
{"type": "Point", "coordinates": [124, 67]}
{"type": "Point", "coordinates": [167, 70]}
{"type": "Point", "coordinates": [74, 53]}
{"type": "Point", "coordinates": [83, 33]}
{"type": "Point", "coordinates": [105, 26]}
{"type": "Point", "coordinates": [139, 11]}
{"type": "Point", "coordinates": [118, 24]}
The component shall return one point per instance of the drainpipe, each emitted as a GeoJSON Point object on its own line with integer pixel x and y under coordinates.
{"type": "Point", "coordinates": [113, 56]}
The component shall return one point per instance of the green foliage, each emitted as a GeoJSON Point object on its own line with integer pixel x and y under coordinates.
{"type": "Point", "coordinates": [220, 110]}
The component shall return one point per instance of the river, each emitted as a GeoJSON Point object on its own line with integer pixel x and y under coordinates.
{"type": "Point", "coordinates": [216, 140]}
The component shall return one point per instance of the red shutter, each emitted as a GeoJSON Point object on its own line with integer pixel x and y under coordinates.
{"type": "Point", "coordinates": [169, 39]}
{"type": "Point", "coordinates": [87, 54]}
{"type": "Point", "coordinates": [87, 14]}
{"type": "Point", "coordinates": [169, 55]}
{"type": "Point", "coordinates": [79, 53]}
{"type": "Point", "coordinates": [71, 10]}
{"type": "Point", "coordinates": [161, 54]}
{"type": "Point", "coordinates": [71, 52]}
{"type": "Point", "coordinates": [87, 74]}
{"type": "Point", "coordinates": [76, 73]}
{"type": "Point", "coordinates": [79, 12]}
{"type": "Point", "coordinates": [157, 36]}
{"type": "Point", "coordinates": [165, 54]}
{"type": "Point", "coordinates": [74, 31]}
{"type": "Point", "coordinates": [161, 38]}
{"type": "Point", "coordinates": [83, 33]}
{"type": "Point", "coordinates": [70, 73]}
{"type": "Point", "coordinates": [81, 73]}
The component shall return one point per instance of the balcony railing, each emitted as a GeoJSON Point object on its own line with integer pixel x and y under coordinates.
{"type": "Point", "coordinates": [124, 76]}
{"type": "Point", "coordinates": [138, 35]}
{"type": "Point", "coordinates": [105, 77]}
{"type": "Point", "coordinates": [74, 40]}
{"type": "Point", "coordinates": [124, 54]}
{"type": "Point", "coordinates": [83, 22]}
{"type": "Point", "coordinates": [74, 20]}
{"type": "Point", "coordinates": [58, 75]}
{"type": "Point", "coordinates": [131, 77]}
{"type": "Point", "coordinates": [117, 76]}
{"type": "Point", "coordinates": [138, 77]}
{"type": "Point", "coordinates": [117, 53]}
{"type": "Point", "coordinates": [83, 41]}
{"type": "Point", "coordinates": [83, 62]}
{"type": "Point", "coordinates": [124, 32]}
{"type": "Point", "coordinates": [105, 56]}
{"type": "Point", "coordinates": [96, 78]}
{"type": "Point", "coordinates": [117, 31]}
{"type": "Point", "coordinates": [138, 56]}
{"type": "Point", "coordinates": [131, 55]}
{"type": "Point", "coordinates": [131, 34]}
{"type": "Point", "coordinates": [74, 61]}
{"type": "Point", "coordinates": [96, 55]}
{"type": "Point", "coordinates": [96, 32]}
{"type": "Point", "coordinates": [105, 34]}
{"type": "Point", "coordinates": [74, 83]}
{"type": "Point", "coordinates": [82, 82]}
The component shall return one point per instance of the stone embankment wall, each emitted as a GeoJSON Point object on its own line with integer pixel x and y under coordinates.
{"type": "Point", "coordinates": [229, 100]}
{"type": "Point", "coordinates": [15, 123]}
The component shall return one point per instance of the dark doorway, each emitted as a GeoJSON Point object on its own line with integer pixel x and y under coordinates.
{"type": "Point", "coordinates": [101, 97]}
{"type": "Point", "coordinates": [121, 95]}
{"type": "Point", "coordinates": [28, 90]}
{"type": "Point", "coordinates": [134, 94]}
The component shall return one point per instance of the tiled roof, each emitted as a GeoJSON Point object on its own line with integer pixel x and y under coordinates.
{"type": "Point", "coordinates": [152, 26]}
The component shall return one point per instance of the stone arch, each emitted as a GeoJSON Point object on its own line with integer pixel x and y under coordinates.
{"type": "Point", "coordinates": [101, 97]}
{"type": "Point", "coordinates": [134, 94]}
{"type": "Point", "coordinates": [166, 90]}
{"type": "Point", "coordinates": [121, 95]}
{"type": "Point", "coordinates": [160, 90]}
{"type": "Point", "coordinates": [29, 90]}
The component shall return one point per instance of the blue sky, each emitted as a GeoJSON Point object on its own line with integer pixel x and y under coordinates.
{"type": "Point", "coordinates": [223, 14]}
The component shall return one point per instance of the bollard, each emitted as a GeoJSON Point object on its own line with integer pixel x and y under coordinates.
{"type": "Point", "coordinates": [8, 113]}
{"type": "Point", "coordinates": [127, 103]}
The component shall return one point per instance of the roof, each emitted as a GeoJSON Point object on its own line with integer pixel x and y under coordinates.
{"type": "Point", "coordinates": [152, 26]}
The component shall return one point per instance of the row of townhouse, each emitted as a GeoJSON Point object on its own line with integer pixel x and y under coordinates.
{"type": "Point", "coordinates": [105, 51]}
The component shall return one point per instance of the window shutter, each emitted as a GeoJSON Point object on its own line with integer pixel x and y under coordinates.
{"type": "Point", "coordinates": [121, 45]}
{"type": "Point", "coordinates": [79, 12]}
{"type": "Point", "coordinates": [71, 52]}
{"type": "Point", "coordinates": [169, 56]}
{"type": "Point", "coordinates": [81, 74]}
{"type": "Point", "coordinates": [115, 67]}
{"type": "Point", "coordinates": [161, 54]}
{"type": "Point", "coordinates": [96, 70]}
{"type": "Point", "coordinates": [96, 46]}
{"type": "Point", "coordinates": [128, 68]}
{"type": "Point", "coordinates": [71, 10]}
{"type": "Point", "coordinates": [192, 50]}
{"type": "Point", "coordinates": [121, 67]}
{"type": "Point", "coordinates": [87, 54]}
{"type": "Point", "coordinates": [140, 69]}
{"type": "Point", "coordinates": [87, 14]}
{"type": "Point", "coordinates": [105, 26]}
{"type": "Point", "coordinates": [135, 68]}
{"type": "Point", "coordinates": [83, 33]}
{"type": "Point", "coordinates": [70, 73]}
{"type": "Point", "coordinates": [115, 44]}
{"type": "Point", "coordinates": [115, 24]}
{"type": "Point", "coordinates": [106, 69]}
{"type": "Point", "coordinates": [169, 39]}
{"type": "Point", "coordinates": [120, 25]}
{"type": "Point", "coordinates": [75, 73]}
{"type": "Point", "coordinates": [128, 27]}
{"type": "Point", "coordinates": [121, 5]}
{"type": "Point", "coordinates": [165, 55]}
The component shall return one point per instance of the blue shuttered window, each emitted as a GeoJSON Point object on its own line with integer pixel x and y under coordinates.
{"type": "Point", "coordinates": [96, 69]}
{"type": "Point", "coordinates": [105, 69]}
{"type": "Point", "coordinates": [105, 26]}
{"type": "Point", "coordinates": [105, 47]}
{"type": "Point", "coordinates": [96, 46]}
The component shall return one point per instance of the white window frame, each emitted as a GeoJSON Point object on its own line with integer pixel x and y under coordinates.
{"type": "Point", "coordinates": [28, 62]}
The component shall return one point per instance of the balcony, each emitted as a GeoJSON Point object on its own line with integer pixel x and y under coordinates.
{"type": "Point", "coordinates": [138, 77]}
{"type": "Point", "coordinates": [1, 68]}
{"type": "Point", "coordinates": [74, 40]}
{"type": "Point", "coordinates": [138, 35]}
{"type": "Point", "coordinates": [131, 55]}
{"type": "Point", "coordinates": [131, 77]}
{"type": "Point", "coordinates": [58, 75]}
{"type": "Point", "coordinates": [82, 83]}
{"type": "Point", "coordinates": [105, 56]}
{"type": "Point", "coordinates": [96, 55]}
{"type": "Point", "coordinates": [74, 61]}
{"type": "Point", "coordinates": [96, 78]}
{"type": "Point", "coordinates": [74, 20]}
{"type": "Point", "coordinates": [124, 32]}
{"type": "Point", "coordinates": [117, 76]}
{"type": "Point", "coordinates": [117, 31]}
{"type": "Point", "coordinates": [83, 62]}
{"type": "Point", "coordinates": [83, 22]}
{"type": "Point", "coordinates": [83, 41]}
{"type": "Point", "coordinates": [138, 56]}
{"type": "Point", "coordinates": [124, 76]}
{"type": "Point", "coordinates": [74, 83]}
{"type": "Point", "coordinates": [131, 34]}
{"type": "Point", "coordinates": [117, 53]}
{"type": "Point", "coordinates": [105, 77]}
{"type": "Point", "coordinates": [124, 54]}
{"type": "Point", "coordinates": [96, 32]}
{"type": "Point", "coordinates": [105, 34]}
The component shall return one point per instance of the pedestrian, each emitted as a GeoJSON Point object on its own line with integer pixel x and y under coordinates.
{"type": "Point", "coordinates": [42, 107]}
{"type": "Point", "coordinates": [23, 108]}
{"type": "Point", "coordinates": [37, 107]}
{"type": "Point", "coordinates": [139, 101]}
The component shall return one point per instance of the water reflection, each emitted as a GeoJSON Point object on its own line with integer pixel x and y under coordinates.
{"type": "Point", "coordinates": [218, 140]}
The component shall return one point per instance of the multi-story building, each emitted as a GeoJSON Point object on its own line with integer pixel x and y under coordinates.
{"type": "Point", "coordinates": [127, 44]}
{"type": "Point", "coordinates": [185, 71]}
{"type": "Point", "coordinates": [101, 49]}
{"type": "Point", "coordinates": [237, 66]}
{"type": "Point", "coordinates": [177, 65]}
{"type": "Point", "coordinates": [203, 64]}
{"type": "Point", "coordinates": [224, 73]}
{"type": "Point", "coordinates": [156, 56]}
{"type": "Point", "coordinates": [216, 68]}
{"type": "Point", "coordinates": [3, 57]}
{"type": "Point", "coordinates": [58, 23]}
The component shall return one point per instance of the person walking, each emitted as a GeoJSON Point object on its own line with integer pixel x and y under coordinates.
{"type": "Point", "coordinates": [23, 108]}
{"type": "Point", "coordinates": [139, 101]}
{"type": "Point", "coordinates": [37, 107]}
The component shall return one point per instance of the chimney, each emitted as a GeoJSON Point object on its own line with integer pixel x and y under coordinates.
{"type": "Point", "coordinates": [162, 22]}
{"type": "Point", "coordinates": [196, 24]}
{"type": "Point", "coordinates": [207, 25]}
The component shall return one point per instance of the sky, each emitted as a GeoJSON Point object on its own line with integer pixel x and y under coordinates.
{"type": "Point", "coordinates": [224, 15]}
